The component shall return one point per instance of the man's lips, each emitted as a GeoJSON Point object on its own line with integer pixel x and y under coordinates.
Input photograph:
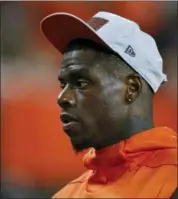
{"type": "Point", "coordinates": [68, 121]}
{"type": "Point", "coordinates": [69, 126]}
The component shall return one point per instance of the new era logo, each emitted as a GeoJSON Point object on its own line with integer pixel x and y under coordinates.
{"type": "Point", "coordinates": [129, 50]}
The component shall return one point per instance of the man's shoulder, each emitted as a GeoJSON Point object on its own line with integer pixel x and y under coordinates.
{"type": "Point", "coordinates": [161, 157]}
{"type": "Point", "coordinates": [70, 188]}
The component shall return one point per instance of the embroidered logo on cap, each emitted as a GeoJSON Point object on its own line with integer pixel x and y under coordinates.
{"type": "Point", "coordinates": [96, 22]}
{"type": "Point", "coordinates": [129, 50]}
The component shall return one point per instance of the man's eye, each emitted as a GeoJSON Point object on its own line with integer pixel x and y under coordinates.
{"type": "Point", "coordinates": [81, 84]}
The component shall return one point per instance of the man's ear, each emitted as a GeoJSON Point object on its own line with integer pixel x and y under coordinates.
{"type": "Point", "coordinates": [134, 86]}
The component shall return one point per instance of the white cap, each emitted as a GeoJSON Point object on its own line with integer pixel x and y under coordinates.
{"type": "Point", "coordinates": [116, 33]}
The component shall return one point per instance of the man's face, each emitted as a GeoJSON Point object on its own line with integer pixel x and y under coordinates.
{"type": "Point", "coordinates": [92, 100]}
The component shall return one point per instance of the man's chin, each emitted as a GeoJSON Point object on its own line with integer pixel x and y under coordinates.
{"type": "Point", "coordinates": [81, 144]}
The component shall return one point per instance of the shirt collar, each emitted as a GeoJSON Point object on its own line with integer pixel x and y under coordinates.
{"type": "Point", "coordinates": [134, 152]}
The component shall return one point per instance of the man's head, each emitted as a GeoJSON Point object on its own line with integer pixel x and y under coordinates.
{"type": "Point", "coordinates": [102, 93]}
{"type": "Point", "coordinates": [105, 98]}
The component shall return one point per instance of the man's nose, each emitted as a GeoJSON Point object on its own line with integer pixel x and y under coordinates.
{"type": "Point", "coordinates": [66, 98]}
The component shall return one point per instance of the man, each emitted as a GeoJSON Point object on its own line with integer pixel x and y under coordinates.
{"type": "Point", "coordinates": [109, 74]}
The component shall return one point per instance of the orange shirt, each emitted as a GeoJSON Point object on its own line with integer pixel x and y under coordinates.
{"type": "Point", "coordinates": [143, 166]}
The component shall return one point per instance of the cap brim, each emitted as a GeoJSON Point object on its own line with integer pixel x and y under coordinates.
{"type": "Point", "coordinates": [61, 28]}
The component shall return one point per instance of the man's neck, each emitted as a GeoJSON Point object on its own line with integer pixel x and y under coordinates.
{"type": "Point", "coordinates": [132, 127]}
{"type": "Point", "coordinates": [138, 125]}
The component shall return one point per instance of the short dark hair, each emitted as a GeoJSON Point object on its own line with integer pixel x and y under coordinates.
{"type": "Point", "coordinates": [81, 43]}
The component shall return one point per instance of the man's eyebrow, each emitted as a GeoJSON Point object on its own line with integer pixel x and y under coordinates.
{"type": "Point", "coordinates": [67, 63]}
{"type": "Point", "coordinates": [79, 70]}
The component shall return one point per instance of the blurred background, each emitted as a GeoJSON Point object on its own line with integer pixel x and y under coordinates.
{"type": "Point", "coordinates": [36, 157]}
